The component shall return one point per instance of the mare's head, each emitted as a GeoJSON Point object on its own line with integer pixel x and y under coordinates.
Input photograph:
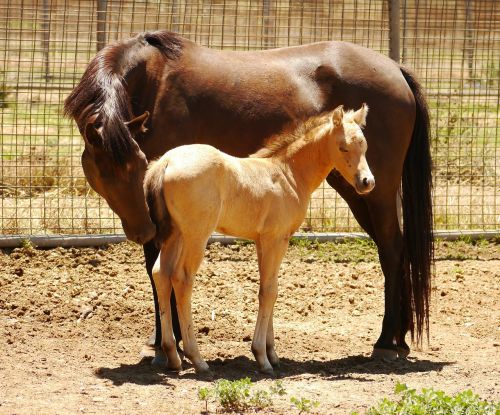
{"type": "Point", "coordinates": [349, 148]}
{"type": "Point", "coordinates": [118, 174]}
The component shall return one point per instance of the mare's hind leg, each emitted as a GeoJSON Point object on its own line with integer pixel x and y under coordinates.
{"type": "Point", "coordinates": [379, 220]}
{"type": "Point", "coordinates": [270, 253]}
{"type": "Point", "coordinates": [192, 251]}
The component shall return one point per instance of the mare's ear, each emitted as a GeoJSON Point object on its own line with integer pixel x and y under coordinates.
{"type": "Point", "coordinates": [337, 115]}
{"type": "Point", "coordinates": [359, 116]}
{"type": "Point", "coordinates": [92, 136]}
{"type": "Point", "coordinates": [138, 124]}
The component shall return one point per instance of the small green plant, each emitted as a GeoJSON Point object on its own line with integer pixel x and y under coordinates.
{"type": "Point", "coordinates": [204, 394]}
{"type": "Point", "coordinates": [4, 91]}
{"type": "Point", "coordinates": [277, 388]}
{"type": "Point", "coordinates": [238, 396]}
{"type": "Point", "coordinates": [26, 244]}
{"type": "Point", "coordinates": [431, 402]}
{"type": "Point", "coordinates": [304, 405]}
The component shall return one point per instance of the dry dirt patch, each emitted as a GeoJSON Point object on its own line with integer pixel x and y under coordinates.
{"type": "Point", "coordinates": [73, 322]}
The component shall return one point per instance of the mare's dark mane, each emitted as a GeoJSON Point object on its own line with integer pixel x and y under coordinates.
{"type": "Point", "coordinates": [101, 91]}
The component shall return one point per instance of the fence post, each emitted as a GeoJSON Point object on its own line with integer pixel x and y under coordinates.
{"type": "Point", "coordinates": [394, 9]}
{"type": "Point", "coordinates": [102, 8]}
{"type": "Point", "coordinates": [469, 39]}
{"type": "Point", "coordinates": [266, 11]}
{"type": "Point", "coordinates": [46, 38]}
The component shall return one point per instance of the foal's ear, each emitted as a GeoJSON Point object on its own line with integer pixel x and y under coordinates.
{"type": "Point", "coordinates": [138, 124]}
{"type": "Point", "coordinates": [92, 136]}
{"type": "Point", "coordinates": [359, 116]}
{"type": "Point", "coordinates": [337, 115]}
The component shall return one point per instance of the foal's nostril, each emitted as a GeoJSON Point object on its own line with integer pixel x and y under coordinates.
{"type": "Point", "coordinates": [365, 182]}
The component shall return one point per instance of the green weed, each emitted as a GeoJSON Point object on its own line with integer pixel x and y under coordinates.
{"type": "Point", "coordinates": [354, 250]}
{"type": "Point", "coordinates": [304, 405]}
{"type": "Point", "coordinates": [431, 402]}
{"type": "Point", "coordinates": [26, 244]}
{"type": "Point", "coordinates": [238, 395]}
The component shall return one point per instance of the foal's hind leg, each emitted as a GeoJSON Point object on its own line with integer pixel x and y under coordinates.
{"type": "Point", "coordinates": [192, 251]}
{"type": "Point", "coordinates": [153, 344]}
{"type": "Point", "coordinates": [270, 253]}
{"type": "Point", "coordinates": [161, 269]}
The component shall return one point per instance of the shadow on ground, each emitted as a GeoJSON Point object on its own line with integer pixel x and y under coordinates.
{"type": "Point", "coordinates": [352, 367]}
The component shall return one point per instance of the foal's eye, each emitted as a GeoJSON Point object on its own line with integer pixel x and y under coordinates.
{"type": "Point", "coordinates": [343, 149]}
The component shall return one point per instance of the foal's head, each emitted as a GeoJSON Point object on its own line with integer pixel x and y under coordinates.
{"type": "Point", "coordinates": [349, 148]}
{"type": "Point", "coordinates": [119, 181]}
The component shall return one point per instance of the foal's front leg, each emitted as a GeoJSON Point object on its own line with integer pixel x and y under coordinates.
{"type": "Point", "coordinates": [270, 252]}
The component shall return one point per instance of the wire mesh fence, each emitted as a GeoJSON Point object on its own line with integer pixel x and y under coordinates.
{"type": "Point", "coordinates": [453, 46]}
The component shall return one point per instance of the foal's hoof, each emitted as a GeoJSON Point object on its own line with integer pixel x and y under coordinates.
{"type": "Point", "coordinates": [160, 358]}
{"type": "Point", "coordinates": [203, 372]}
{"type": "Point", "coordinates": [384, 354]}
{"type": "Point", "coordinates": [148, 351]}
{"type": "Point", "coordinates": [201, 367]}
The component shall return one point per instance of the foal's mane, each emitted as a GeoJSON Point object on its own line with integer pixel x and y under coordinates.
{"type": "Point", "coordinates": [101, 92]}
{"type": "Point", "coordinates": [292, 138]}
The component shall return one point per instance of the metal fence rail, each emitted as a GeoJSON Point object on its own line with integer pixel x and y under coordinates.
{"type": "Point", "coordinates": [45, 45]}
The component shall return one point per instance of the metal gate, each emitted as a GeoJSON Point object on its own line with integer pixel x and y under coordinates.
{"type": "Point", "coordinates": [45, 45]}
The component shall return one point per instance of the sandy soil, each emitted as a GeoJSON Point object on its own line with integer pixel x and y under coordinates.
{"type": "Point", "coordinates": [72, 324]}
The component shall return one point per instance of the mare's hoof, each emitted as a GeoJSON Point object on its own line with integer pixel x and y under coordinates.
{"type": "Point", "coordinates": [403, 352]}
{"type": "Point", "coordinates": [268, 371]}
{"type": "Point", "coordinates": [384, 354]}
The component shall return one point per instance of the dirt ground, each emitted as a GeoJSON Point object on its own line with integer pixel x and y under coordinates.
{"type": "Point", "coordinates": [73, 321]}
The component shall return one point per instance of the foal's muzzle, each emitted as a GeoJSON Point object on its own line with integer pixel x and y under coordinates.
{"type": "Point", "coordinates": [365, 183]}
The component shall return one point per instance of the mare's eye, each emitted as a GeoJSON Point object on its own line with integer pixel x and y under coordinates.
{"type": "Point", "coordinates": [343, 149]}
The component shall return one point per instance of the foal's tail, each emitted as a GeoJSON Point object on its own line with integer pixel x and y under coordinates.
{"type": "Point", "coordinates": [153, 189]}
{"type": "Point", "coordinates": [417, 216]}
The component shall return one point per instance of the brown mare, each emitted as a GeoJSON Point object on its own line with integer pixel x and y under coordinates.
{"type": "Point", "coordinates": [234, 101]}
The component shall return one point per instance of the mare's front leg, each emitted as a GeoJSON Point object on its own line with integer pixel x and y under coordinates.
{"type": "Point", "coordinates": [151, 253]}
{"type": "Point", "coordinates": [270, 252]}
{"type": "Point", "coordinates": [379, 219]}
{"type": "Point", "coordinates": [164, 288]}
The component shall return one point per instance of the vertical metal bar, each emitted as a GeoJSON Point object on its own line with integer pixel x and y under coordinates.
{"type": "Point", "coordinates": [46, 38]}
{"type": "Point", "coordinates": [404, 54]}
{"type": "Point", "coordinates": [394, 9]}
{"type": "Point", "coordinates": [469, 41]}
{"type": "Point", "coordinates": [266, 11]}
{"type": "Point", "coordinates": [102, 9]}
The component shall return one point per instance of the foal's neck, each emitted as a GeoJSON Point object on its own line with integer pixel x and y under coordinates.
{"type": "Point", "coordinates": [312, 162]}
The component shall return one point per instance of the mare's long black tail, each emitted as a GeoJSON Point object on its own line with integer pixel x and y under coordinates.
{"type": "Point", "coordinates": [417, 216]}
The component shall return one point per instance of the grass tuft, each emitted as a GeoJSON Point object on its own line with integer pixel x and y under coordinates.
{"type": "Point", "coordinates": [432, 402]}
